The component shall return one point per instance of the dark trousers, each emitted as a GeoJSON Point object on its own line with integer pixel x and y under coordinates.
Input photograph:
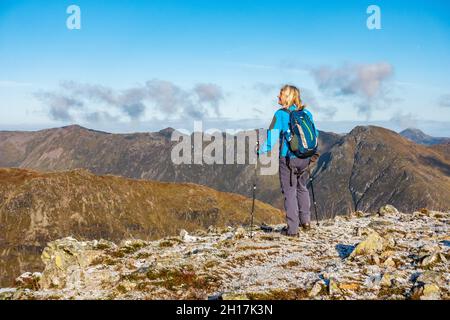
{"type": "Point", "coordinates": [296, 195]}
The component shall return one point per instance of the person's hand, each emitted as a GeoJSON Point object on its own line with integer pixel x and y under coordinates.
{"type": "Point", "coordinates": [315, 157]}
{"type": "Point", "coordinates": [257, 149]}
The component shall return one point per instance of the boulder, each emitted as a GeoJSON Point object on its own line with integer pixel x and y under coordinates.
{"type": "Point", "coordinates": [372, 245]}
{"type": "Point", "coordinates": [386, 279]}
{"type": "Point", "coordinates": [359, 214]}
{"type": "Point", "coordinates": [28, 280]}
{"type": "Point", "coordinates": [62, 257]}
{"type": "Point", "coordinates": [389, 263]}
{"type": "Point", "coordinates": [431, 292]}
{"type": "Point", "coordinates": [431, 277]}
{"type": "Point", "coordinates": [186, 237]}
{"type": "Point", "coordinates": [7, 293]}
{"type": "Point", "coordinates": [387, 210]}
{"type": "Point", "coordinates": [333, 288]}
{"type": "Point", "coordinates": [240, 233]}
{"type": "Point", "coordinates": [316, 289]}
{"type": "Point", "coordinates": [430, 260]}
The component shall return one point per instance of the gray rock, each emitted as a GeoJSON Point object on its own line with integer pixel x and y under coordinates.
{"type": "Point", "coordinates": [316, 289]}
{"type": "Point", "coordinates": [28, 280]}
{"type": "Point", "coordinates": [431, 292]}
{"type": "Point", "coordinates": [387, 210]}
{"type": "Point", "coordinates": [431, 277]}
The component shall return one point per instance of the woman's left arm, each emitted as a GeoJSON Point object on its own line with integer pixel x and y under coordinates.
{"type": "Point", "coordinates": [273, 134]}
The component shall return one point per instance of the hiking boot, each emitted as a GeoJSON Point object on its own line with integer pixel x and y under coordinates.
{"type": "Point", "coordinates": [306, 227]}
{"type": "Point", "coordinates": [284, 232]}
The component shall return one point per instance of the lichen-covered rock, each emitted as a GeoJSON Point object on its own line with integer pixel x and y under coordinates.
{"type": "Point", "coordinates": [316, 289]}
{"type": "Point", "coordinates": [430, 260]}
{"type": "Point", "coordinates": [234, 296]}
{"type": "Point", "coordinates": [386, 279]}
{"type": "Point", "coordinates": [387, 210]}
{"type": "Point", "coordinates": [7, 293]}
{"type": "Point", "coordinates": [431, 277]}
{"type": "Point", "coordinates": [372, 245]}
{"type": "Point", "coordinates": [333, 288]}
{"type": "Point", "coordinates": [359, 214]}
{"type": "Point", "coordinates": [240, 233]}
{"type": "Point", "coordinates": [186, 237]}
{"type": "Point", "coordinates": [426, 292]}
{"type": "Point", "coordinates": [389, 263]}
{"type": "Point", "coordinates": [63, 258]}
{"type": "Point", "coordinates": [28, 280]}
{"type": "Point", "coordinates": [431, 292]}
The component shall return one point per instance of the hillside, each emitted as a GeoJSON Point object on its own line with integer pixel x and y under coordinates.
{"type": "Point", "coordinates": [443, 148]}
{"type": "Point", "coordinates": [371, 166]}
{"type": "Point", "coordinates": [36, 208]}
{"type": "Point", "coordinates": [137, 156]}
{"type": "Point", "coordinates": [361, 256]}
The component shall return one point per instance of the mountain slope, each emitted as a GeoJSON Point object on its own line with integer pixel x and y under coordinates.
{"type": "Point", "coordinates": [139, 156]}
{"type": "Point", "coordinates": [372, 165]}
{"type": "Point", "coordinates": [443, 148]}
{"type": "Point", "coordinates": [363, 169]}
{"type": "Point", "coordinates": [39, 207]}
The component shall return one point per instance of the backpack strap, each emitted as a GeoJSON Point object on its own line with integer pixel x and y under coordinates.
{"type": "Point", "coordinates": [291, 171]}
{"type": "Point", "coordinates": [288, 158]}
{"type": "Point", "coordinates": [283, 140]}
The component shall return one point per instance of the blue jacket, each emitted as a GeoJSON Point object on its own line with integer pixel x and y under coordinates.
{"type": "Point", "coordinates": [277, 130]}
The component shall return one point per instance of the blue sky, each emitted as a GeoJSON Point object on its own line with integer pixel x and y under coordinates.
{"type": "Point", "coordinates": [170, 62]}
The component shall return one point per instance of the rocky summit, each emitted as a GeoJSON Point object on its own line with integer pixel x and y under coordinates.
{"type": "Point", "coordinates": [384, 255]}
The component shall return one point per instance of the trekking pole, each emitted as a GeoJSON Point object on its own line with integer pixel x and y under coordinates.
{"type": "Point", "coordinates": [254, 185]}
{"type": "Point", "coordinates": [313, 196]}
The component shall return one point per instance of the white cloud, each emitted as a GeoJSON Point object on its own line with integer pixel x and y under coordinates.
{"type": "Point", "coordinates": [73, 100]}
{"type": "Point", "coordinates": [364, 82]}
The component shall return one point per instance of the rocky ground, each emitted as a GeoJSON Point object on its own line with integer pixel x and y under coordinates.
{"type": "Point", "coordinates": [388, 255]}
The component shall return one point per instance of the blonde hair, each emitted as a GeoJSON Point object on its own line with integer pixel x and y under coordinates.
{"type": "Point", "coordinates": [290, 95]}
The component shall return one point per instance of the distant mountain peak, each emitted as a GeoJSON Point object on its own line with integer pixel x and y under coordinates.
{"type": "Point", "coordinates": [414, 132]}
{"type": "Point", "coordinates": [418, 136]}
{"type": "Point", "coordinates": [77, 127]}
{"type": "Point", "coordinates": [167, 130]}
{"type": "Point", "coordinates": [370, 130]}
{"type": "Point", "coordinates": [74, 126]}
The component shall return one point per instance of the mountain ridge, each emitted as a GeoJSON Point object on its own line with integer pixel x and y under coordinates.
{"type": "Point", "coordinates": [373, 165]}
{"type": "Point", "coordinates": [147, 156]}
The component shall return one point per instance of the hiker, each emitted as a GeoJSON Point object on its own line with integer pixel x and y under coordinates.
{"type": "Point", "coordinates": [292, 169]}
